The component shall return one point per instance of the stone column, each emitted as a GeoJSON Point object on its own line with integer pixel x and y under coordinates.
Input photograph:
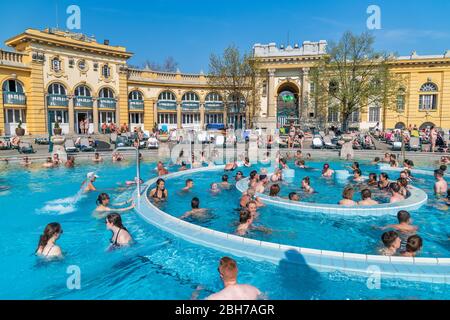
{"type": "Point", "coordinates": [179, 124]}
{"type": "Point", "coordinates": [95, 116]}
{"type": "Point", "coordinates": [271, 101]}
{"type": "Point", "coordinates": [72, 125]}
{"type": "Point", "coordinates": [304, 105]}
{"type": "Point", "coordinates": [202, 116]}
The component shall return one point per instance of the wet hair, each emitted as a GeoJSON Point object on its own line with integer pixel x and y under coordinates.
{"type": "Point", "coordinates": [262, 176]}
{"type": "Point", "coordinates": [393, 156]}
{"type": "Point", "coordinates": [403, 216]}
{"type": "Point", "coordinates": [292, 195]}
{"type": "Point", "coordinates": [274, 190]}
{"type": "Point", "coordinates": [158, 182]}
{"type": "Point", "coordinates": [301, 162]}
{"type": "Point", "coordinates": [251, 202]}
{"type": "Point", "coordinates": [224, 178]}
{"type": "Point", "coordinates": [228, 268]}
{"type": "Point", "coordinates": [366, 194]}
{"type": "Point", "coordinates": [307, 180]}
{"type": "Point", "coordinates": [244, 216]}
{"type": "Point", "coordinates": [253, 174]}
{"type": "Point", "coordinates": [102, 197]}
{"type": "Point", "coordinates": [373, 176]}
{"type": "Point", "coordinates": [443, 168]}
{"type": "Point", "coordinates": [392, 162]}
{"type": "Point", "coordinates": [377, 159]}
{"type": "Point", "coordinates": [116, 220]}
{"type": "Point", "coordinates": [195, 203]}
{"type": "Point", "coordinates": [389, 237]}
{"type": "Point", "coordinates": [348, 193]}
{"type": "Point", "coordinates": [326, 166]}
{"type": "Point", "coordinates": [357, 171]}
{"type": "Point", "coordinates": [395, 187]}
{"type": "Point", "coordinates": [414, 243]}
{"type": "Point", "coordinates": [356, 164]}
{"type": "Point", "coordinates": [189, 181]}
{"type": "Point", "coordinates": [50, 230]}
{"type": "Point", "coordinates": [384, 175]}
{"type": "Point", "coordinates": [403, 182]}
{"type": "Point", "coordinates": [439, 172]}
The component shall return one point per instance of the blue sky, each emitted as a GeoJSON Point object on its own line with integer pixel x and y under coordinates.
{"type": "Point", "coordinates": [190, 30]}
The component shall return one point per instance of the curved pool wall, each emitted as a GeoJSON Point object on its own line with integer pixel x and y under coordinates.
{"type": "Point", "coordinates": [433, 270]}
{"type": "Point", "coordinates": [387, 167]}
{"type": "Point", "coordinates": [416, 200]}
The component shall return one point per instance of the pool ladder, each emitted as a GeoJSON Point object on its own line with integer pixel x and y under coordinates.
{"type": "Point", "coordinates": [138, 166]}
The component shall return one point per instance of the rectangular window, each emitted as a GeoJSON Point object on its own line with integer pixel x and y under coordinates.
{"type": "Point", "coordinates": [191, 118]}
{"type": "Point", "coordinates": [15, 116]}
{"type": "Point", "coordinates": [167, 118]}
{"type": "Point", "coordinates": [107, 117]}
{"type": "Point", "coordinates": [400, 103]}
{"type": "Point", "coordinates": [354, 117]}
{"type": "Point", "coordinates": [428, 102]}
{"type": "Point", "coordinates": [214, 118]}
{"type": "Point", "coordinates": [136, 118]}
{"type": "Point", "coordinates": [374, 114]}
{"type": "Point", "coordinates": [333, 115]}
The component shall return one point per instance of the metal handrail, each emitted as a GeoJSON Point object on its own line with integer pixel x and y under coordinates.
{"type": "Point", "coordinates": [138, 166]}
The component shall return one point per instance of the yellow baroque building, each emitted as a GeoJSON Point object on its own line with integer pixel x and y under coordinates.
{"type": "Point", "coordinates": [53, 75]}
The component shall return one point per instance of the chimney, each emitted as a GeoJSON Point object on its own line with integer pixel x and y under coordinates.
{"type": "Point", "coordinates": [106, 42]}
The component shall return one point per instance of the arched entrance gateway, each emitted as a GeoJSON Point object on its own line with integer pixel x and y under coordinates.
{"type": "Point", "coordinates": [288, 105]}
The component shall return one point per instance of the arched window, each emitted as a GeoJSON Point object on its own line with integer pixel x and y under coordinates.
{"type": "Point", "coordinates": [56, 64]}
{"type": "Point", "coordinates": [106, 93]}
{"type": "Point", "coordinates": [213, 97]}
{"type": "Point", "coordinates": [167, 96]}
{"type": "Point", "coordinates": [82, 91]}
{"type": "Point", "coordinates": [428, 97]}
{"type": "Point", "coordinates": [12, 86]}
{"type": "Point", "coordinates": [106, 71]}
{"type": "Point", "coordinates": [232, 98]}
{"type": "Point", "coordinates": [135, 95]}
{"type": "Point", "coordinates": [57, 88]}
{"type": "Point", "coordinates": [190, 96]}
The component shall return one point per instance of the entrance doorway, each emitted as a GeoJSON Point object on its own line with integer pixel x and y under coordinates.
{"type": "Point", "coordinates": [82, 126]}
{"type": "Point", "coordinates": [288, 105]}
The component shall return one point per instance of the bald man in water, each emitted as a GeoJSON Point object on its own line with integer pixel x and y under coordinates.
{"type": "Point", "coordinates": [233, 291]}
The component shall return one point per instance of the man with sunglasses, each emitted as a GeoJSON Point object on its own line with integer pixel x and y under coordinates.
{"type": "Point", "coordinates": [233, 291]}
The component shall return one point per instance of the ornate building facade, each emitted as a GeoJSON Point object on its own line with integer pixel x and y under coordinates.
{"type": "Point", "coordinates": [54, 76]}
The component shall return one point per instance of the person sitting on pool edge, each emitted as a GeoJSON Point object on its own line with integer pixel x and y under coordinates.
{"type": "Point", "coordinates": [404, 223]}
{"type": "Point", "coordinates": [159, 193]}
{"type": "Point", "coordinates": [121, 237]}
{"type": "Point", "coordinates": [228, 271]}
{"type": "Point", "coordinates": [231, 166]}
{"type": "Point", "coordinates": [189, 185]}
{"type": "Point", "coordinates": [347, 196]}
{"type": "Point", "coordinates": [47, 247]}
{"type": "Point", "coordinates": [196, 212]}
{"type": "Point", "coordinates": [367, 200]}
{"type": "Point", "coordinates": [396, 195]}
{"type": "Point", "coordinates": [413, 246]}
{"type": "Point", "coordinates": [392, 242]}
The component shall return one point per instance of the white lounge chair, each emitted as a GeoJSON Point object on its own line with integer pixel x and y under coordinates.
{"type": "Point", "coordinates": [317, 143]}
{"type": "Point", "coordinates": [69, 145]}
{"type": "Point", "coordinates": [85, 146]}
{"type": "Point", "coordinates": [328, 144]}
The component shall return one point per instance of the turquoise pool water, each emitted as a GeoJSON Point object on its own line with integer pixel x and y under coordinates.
{"type": "Point", "coordinates": [160, 266]}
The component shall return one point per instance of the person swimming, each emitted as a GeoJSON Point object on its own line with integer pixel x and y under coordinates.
{"type": "Point", "coordinates": [404, 223]}
{"type": "Point", "coordinates": [26, 162]}
{"type": "Point", "coordinates": [120, 235]}
{"type": "Point", "coordinates": [103, 204]}
{"type": "Point", "coordinates": [70, 163]}
{"type": "Point", "coordinates": [225, 184]}
{"type": "Point", "coordinates": [383, 182]}
{"type": "Point", "coordinates": [327, 171]}
{"type": "Point", "coordinates": [248, 196]}
{"type": "Point", "coordinates": [372, 180]}
{"type": "Point", "coordinates": [159, 193]}
{"type": "Point", "coordinates": [274, 190]}
{"type": "Point", "coordinates": [357, 175]}
{"type": "Point", "coordinates": [306, 185]}
{"type": "Point", "coordinates": [214, 188]}
{"type": "Point", "coordinates": [413, 246]}
{"type": "Point", "coordinates": [48, 163]}
{"type": "Point", "coordinates": [440, 186]}
{"type": "Point", "coordinates": [367, 200]}
{"type": "Point", "coordinates": [228, 271]}
{"type": "Point", "coordinates": [293, 196]}
{"type": "Point", "coordinates": [391, 241]}
{"type": "Point", "coordinates": [47, 247]}
{"type": "Point", "coordinates": [196, 211]}
{"type": "Point", "coordinates": [396, 195]}
{"type": "Point", "coordinates": [188, 185]}
{"type": "Point", "coordinates": [89, 182]}
{"type": "Point", "coordinates": [239, 176]}
{"type": "Point", "coordinates": [347, 197]}
{"type": "Point", "coordinates": [97, 158]}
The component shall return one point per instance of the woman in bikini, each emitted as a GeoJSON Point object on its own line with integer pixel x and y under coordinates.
{"type": "Point", "coordinates": [121, 237]}
{"type": "Point", "coordinates": [47, 247]}
{"type": "Point", "coordinates": [159, 193]}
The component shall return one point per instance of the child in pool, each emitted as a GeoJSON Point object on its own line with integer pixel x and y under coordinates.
{"type": "Point", "coordinates": [392, 242]}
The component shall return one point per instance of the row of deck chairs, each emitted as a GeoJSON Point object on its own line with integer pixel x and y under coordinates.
{"type": "Point", "coordinates": [84, 146]}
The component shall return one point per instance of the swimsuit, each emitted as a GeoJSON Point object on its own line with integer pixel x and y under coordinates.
{"type": "Point", "coordinates": [115, 244]}
{"type": "Point", "coordinates": [163, 195]}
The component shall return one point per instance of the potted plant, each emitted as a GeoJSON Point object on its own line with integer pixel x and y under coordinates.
{"type": "Point", "coordinates": [19, 130]}
{"type": "Point", "coordinates": [57, 130]}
